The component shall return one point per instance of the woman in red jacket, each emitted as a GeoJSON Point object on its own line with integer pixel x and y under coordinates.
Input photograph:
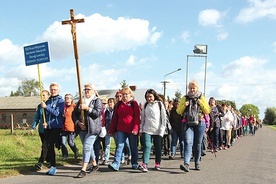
{"type": "Point", "coordinates": [125, 123]}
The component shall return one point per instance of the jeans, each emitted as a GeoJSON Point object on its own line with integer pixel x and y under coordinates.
{"type": "Point", "coordinates": [121, 139]}
{"type": "Point", "coordinates": [70, 136]}
{"type": "Point", "coordinates": [215, 137]}
{"type": "Point", "coordinates": [87, 140]}
{"type": "Point", "coordinates": [157, 140]}
{"type": "Point", "coordinates": [193, 136]}
{"type": "Point", "coordinates": [107, 147]}
{"type": "Point", "coordinates": [175, 137]}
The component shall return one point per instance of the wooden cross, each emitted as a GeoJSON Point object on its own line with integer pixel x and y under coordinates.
{"type": "Point", "coordinates": [73, 23]}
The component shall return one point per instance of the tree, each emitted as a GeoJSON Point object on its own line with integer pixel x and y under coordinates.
{"type": "Point", "coordinates": [270, 116]}
{"type": "Point", "coordinates": [249, 109]}
{"type": "Point", "coordinates": [27, 88]}
{"type": "Point", "coordinates": [178, 95]}
{"type": "Point", "coordinates": [123, 84]}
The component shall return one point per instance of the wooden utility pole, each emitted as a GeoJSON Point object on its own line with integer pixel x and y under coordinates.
{"type": "Point", "coordinates": [73, 23]}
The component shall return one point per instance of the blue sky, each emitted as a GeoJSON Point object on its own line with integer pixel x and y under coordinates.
{"type": "Point", "coordinates": [142, 41]}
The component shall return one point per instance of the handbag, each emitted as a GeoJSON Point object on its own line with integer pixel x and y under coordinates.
{"type": "Point", "coordinates": [103, 132]}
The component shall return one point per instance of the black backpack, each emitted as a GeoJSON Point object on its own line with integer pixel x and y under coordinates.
{"type": "Point", "coordinates": [192, 112]}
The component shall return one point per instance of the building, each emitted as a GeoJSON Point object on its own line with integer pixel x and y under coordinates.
{"type": "Point", "coordinates": [21, 109]}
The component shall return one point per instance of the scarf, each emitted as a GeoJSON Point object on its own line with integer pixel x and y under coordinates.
{"type": "Point", "coordinates": [88, 100]}
{"type": "Point", "coordinates": [196, 95]}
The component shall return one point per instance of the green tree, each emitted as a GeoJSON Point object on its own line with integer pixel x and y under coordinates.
{"type": "Point", "coordinates": [270, 116]}
{"type": "Point", "coordinates": [249, 109]}
{"type": "Point", "coordinates": [124, 84]}
{"type": "Point", "coordinates": [178, 94]}
{"type": "Point", "coordinates": [27, 88]}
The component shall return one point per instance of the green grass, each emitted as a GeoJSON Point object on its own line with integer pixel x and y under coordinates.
{"type": "Point", "coordinates": [20, 151]}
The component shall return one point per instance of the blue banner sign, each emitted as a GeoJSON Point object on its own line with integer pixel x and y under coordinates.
{"type": "Point", "coordinates": [36, 54]}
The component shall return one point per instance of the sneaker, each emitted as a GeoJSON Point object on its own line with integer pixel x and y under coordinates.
{"type": "Point", "coordinates": [171, 157]}
{"type": "Point", "coordinates": [225, 148]}
{"type": "Point", "coordinates": [220, 148]}
{"type": "Point", "coordinates": [128, 161]}
{"type": "Point", "coordinates": [197, 167]}
{"type": "Point", "coordinates": [135, 166]}
{"type": "Point", "coordinates": [143, 167]}
{"type": "Point", "coordinates": [113, 167]}
{"type": "Point", "coordinates": [185, 167]}
{"type": "Point", "coordinates": [157, 167]}
{"type": "Point", "coordinates": [94, 168]}
{"type": "Point", "coordinates": [77, 154]}
{"type": "Point", "coordinates": [104, 163]}
{"type": "Point", "coordinates": [52, 171]}
{"type": "Point", "coordinates": [81, 174]}
{"type": "Point", "coordinates": [38, 166]}
{"type": "Point", "coordinates": [64, 158]}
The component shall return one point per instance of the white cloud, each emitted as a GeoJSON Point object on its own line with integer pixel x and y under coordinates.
{"type": "Point", "coordinates": [6, 48]}
{"type": "Point", "coordinates": [222, 36]}
{"type": "Point", "coordinates": [244, 81]}
{"type": "Point", "coordinates": [209, 17]}
{"type": "Point", "coordinates": [101, 34]}
{"type": "Point", "coordinates": [257, 9]}
{"type": "Point", "coordinates": [185, 36]}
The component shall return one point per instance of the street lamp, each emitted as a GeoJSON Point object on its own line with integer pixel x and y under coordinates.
{"type": "Point", "coordinates": [165, 82]}
{"type": "Point", "coordinates": [199, 51]}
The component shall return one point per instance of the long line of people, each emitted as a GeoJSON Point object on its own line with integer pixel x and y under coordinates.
{"type": "Point", "coordinates": [161, 126]}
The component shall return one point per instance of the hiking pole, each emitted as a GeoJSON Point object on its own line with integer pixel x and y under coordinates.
{"type": "Point", "coordinates": [211, 145]}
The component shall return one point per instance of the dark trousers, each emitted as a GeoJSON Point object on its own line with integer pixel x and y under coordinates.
{"type": "Point", "coordinates": [53, 138]}
{"type": "Point", "coordinates": [44, 149]}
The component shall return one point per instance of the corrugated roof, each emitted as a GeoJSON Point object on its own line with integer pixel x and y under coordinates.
{"type": "Point", "coordinates": [19, 102]}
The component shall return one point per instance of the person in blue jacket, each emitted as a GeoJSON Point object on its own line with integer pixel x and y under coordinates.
{"type": "Point", "coordinates": [53, 107]}
{"type": "Point", "coordinates": [38, 121]}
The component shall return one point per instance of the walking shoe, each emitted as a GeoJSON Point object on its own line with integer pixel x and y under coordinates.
{"type": "Point", "coordinates": [225, 148]}
{"type": "Point", "coordinates": [113, 167]}
{"type": "Point", "coordinates": [38, 166]}
{"type": "Point", "coordinates": [52, 171]}
{"type": "Point", "coordinates": [197, 167]}
{"type": "Point", "coordinates": [171, 157]}
{"type": "Point", "coordinates": [104, 162]}
{"type": "Point", "coordinates": [143, 167]}
{"type": "Point", "coordinates": [128, 161]}
{"type": "Point", "coordinates": [157, 167]}
{"type": "Point", "coordinates": [94, 168]}
{"type": "Point", "coordinates": [81, 174]}
{"type": "Point", "coordinates": [64, 158]}
{"type": "Point", "coordinates": [77, 154]}
{"type": "Point", "coordinates": [185, 167]}
{"type": "Point", "coordinates": [135, 166]}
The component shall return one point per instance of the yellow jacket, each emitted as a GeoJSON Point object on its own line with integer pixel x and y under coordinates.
{"type": "Point", "coordinates": [204, 106]}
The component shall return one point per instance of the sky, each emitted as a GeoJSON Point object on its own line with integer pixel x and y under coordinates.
{"type": "Point", "coordinates": [145, 42]}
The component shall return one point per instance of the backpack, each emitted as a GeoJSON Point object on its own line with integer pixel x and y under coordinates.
{"type": "Point", "coordinates": [192, 112]}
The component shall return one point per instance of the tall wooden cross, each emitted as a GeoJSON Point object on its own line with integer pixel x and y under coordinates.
{"type": "Point", "coordinates": [73, 23]}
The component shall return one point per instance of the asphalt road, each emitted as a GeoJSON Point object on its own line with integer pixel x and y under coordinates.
{"type": "Point", "coordinates": [252, 159]}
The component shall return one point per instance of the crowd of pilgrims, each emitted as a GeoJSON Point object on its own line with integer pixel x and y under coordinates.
{"type": "Point", "coordinates": [154, 127]}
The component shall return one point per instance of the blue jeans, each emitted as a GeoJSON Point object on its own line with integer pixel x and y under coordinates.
{"type": "Point", "coordinates": [70, 137]}
{"type": "Point", "coordinates": [193, 136]}
{"type": "Point", "coordinates": [175, 137]}
{"type": "Point", "coordinates": [107, 147]}
{"type": "Point", "coordinates": [121, 139]}
{"type": "Point", "coordinates": [87, 142]}
{"type": "Point", "coordinates": [215, 137]}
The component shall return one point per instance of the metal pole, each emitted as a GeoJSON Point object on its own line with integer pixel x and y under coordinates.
{"type": "Point", "coordinates": [187, 74]}
{"type": "Point", "coordinates": [205, 75]}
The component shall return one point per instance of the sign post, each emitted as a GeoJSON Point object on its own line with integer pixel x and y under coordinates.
{"type": "Point", "coordinates": [37, 54]}
{"type": "Point", "coordinates": [73, 23]}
